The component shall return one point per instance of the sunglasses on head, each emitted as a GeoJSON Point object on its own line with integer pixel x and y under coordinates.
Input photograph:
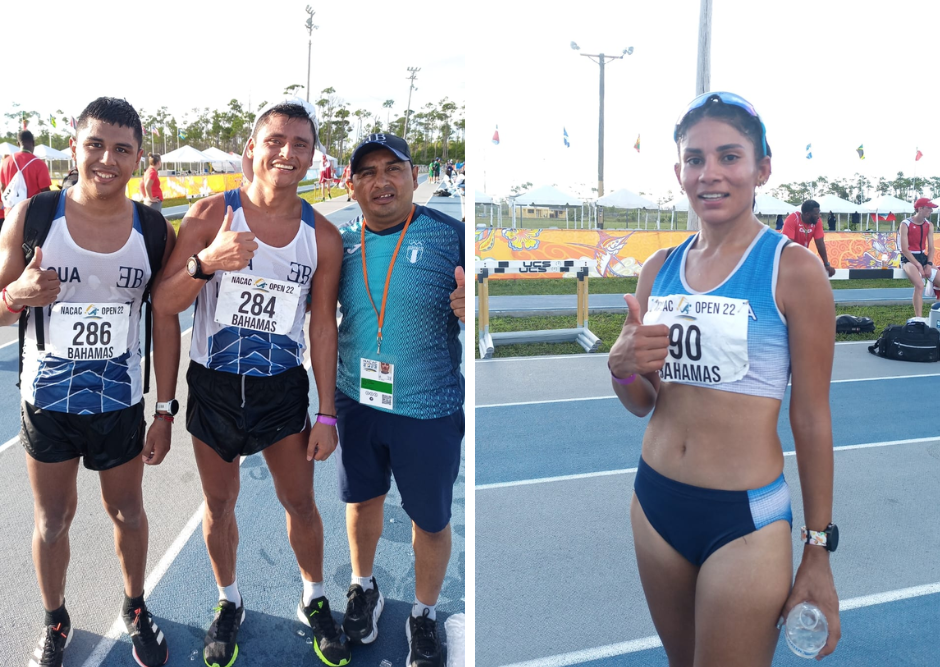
{"type": "Point", "coordinates": [725, 98]}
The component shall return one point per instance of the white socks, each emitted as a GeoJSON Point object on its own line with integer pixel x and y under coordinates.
{"type": "Point", "coordinates": [312, 591]}
{"type": "Point", "coordinates": [365, 582]}
{"type": "Point", "coordinates": [231, 593]}
{"type": "Point", "coordinates": [417, 610]}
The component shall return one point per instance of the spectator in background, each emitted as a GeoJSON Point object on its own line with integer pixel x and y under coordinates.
{"type": "Point", "coordinates": [856, 220]}
{"type": "Point", "coordinates": [347, 174]}
{"type": "Point", "coordinates": [69, 180]}
{"type": "Point", "coordinates": [779, 223]}
{"type": "Point", "coordinates": [915, 241]}
{"type": "Point", "coordinates": [35, 172]}
{"type": "Point", "coordinates": [326, 178]}
{"type": "Point", "coordinates": [832, 221]}
{"type": "Point", "coordinates": [150, 183]}
{"type": "Point", "coordinates": [803, 226]}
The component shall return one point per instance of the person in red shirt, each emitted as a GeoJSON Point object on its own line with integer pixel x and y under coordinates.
{"type": "Point", "coordinates": [326, 178]}
{"type": "Point", "coordinates": [915, 241]}
{"type": "Point", "coordinates": [801, 227]}
{"type": "Point", "coordinates": [153, 195]}
{"type": "Point", "coordinates": [34, 170]}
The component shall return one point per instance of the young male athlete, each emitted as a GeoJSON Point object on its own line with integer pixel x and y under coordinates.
{"type": "Point", "coordinates": [253, 256]}
{"type": "Point", "coordinates": [81, 385]}
{"type": "Point", "coordinates": [400, 392]}
{"type": "Point", "coordinates": [803, 226]}
{"type": "Point", "coordinates": [915, 241]}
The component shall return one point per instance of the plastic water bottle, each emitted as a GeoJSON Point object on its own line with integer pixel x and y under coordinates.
{"type": "Point", "coordinates": [928, 289]}
{"type": "Point", "coordinates": [454, 628]}
{"type": "Point", "coordinates": [806, 630]}
{"type": "Point", "coordinates": [935, 316]}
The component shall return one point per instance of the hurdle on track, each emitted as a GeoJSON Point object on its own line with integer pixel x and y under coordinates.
{"type": "Point", "coordinates": [580, 334]}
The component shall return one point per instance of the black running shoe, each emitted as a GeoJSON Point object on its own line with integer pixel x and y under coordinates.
{"type": "Point", "coordinates": [221, 647]}
{"type": "Point", "coordinates": [329, 642]}
{"type": "Point", "coordinates": [51, 646]}
{"type": "Point", "coordinates": [363, 608]}
{"type": "Point", "coordinates": [424, 647]}
{"type": "Point", "coordinates": [150, 649]}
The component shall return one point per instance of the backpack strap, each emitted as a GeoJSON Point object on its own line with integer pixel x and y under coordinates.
{"type": "Point", "coordinates": [153, 225]}
{"type": "Point", "coordinates": [40, 211]}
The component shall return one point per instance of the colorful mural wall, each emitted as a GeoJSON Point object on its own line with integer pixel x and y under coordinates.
{"type": "Point", "coordinates": [189, 186]}
{"type": "Point", "coordinates": [623, 252]}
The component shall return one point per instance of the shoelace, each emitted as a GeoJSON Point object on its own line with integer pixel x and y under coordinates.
{"type": "Point", "coordinates": [358, 598]}
{"type": "Point", "coordinates": [424, 636]}
{"type": "Point", "coordinates": [145, 628]}
{"type": "Point", "coordinates": [225, 625]}
{"type": "Point", "coordinates": [49, 644]}
{"type": "Point", "coordinates": [325, 626]}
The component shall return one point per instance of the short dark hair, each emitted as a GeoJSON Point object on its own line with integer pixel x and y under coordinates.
{"type": "Point", "coordinates": [115, 111]}
{"type": "Point", "coordinates": [154, 158]}
{"type": "Point", "coordinates": [736, 117]}
{"type": "Point", "coordinates": [25, 138]}
{"type": "Point", "coordinates": [287, 110]}
{"type": "Point", "coordinates": [809, 205]}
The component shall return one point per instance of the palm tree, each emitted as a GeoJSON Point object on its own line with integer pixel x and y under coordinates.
{"type": "Point", "coordinates": [388, 104]}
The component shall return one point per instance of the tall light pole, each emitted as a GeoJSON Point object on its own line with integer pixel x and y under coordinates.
{"type": "Point", "coordinates": [703, 72]}
{"type": "Point", "coordinates": [601, 60]}
{"type": "Point", "coordinates": [414, 73]}
{"type": "Point", "coordinates": [310, 29]}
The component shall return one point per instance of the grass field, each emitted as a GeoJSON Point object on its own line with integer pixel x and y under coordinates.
{"type": "Point", "coordinates": [607, 326]}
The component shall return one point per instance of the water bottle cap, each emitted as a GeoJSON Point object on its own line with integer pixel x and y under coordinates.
{"type": "Point", "coordinates": [809, 617]}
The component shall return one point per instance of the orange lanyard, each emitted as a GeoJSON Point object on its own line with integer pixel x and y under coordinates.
{"type": "Point", "coordinates": [388, 278]}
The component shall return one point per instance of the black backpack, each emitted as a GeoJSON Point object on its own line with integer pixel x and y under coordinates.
{"type": "Point", "coordinates": [914, 341]}
{"type": "Point", "coordinates": [40, 211]}
{"type": "Point", "coordinates": [851, 324]}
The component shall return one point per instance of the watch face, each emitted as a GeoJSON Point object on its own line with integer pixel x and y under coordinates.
{"type": "Point", "coordinates": [191, 266]}
{"type": "Point", "coordinates": [833, 540]}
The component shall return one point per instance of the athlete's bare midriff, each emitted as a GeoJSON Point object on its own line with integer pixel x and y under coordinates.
{"type": "Point", "coordinates": [714, 439]}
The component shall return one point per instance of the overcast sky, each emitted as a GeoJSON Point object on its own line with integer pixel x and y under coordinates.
{"type": "Point", "coordinates": [835, 74]}
{"type": "Point", "coordinates": [226, 50]}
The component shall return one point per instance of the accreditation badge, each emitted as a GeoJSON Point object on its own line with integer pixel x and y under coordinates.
{"type": "Point", "coordinates": [707, 337]}
{"type": "Point", "coordinates": [260, 304]}
{"type": "Point", "coordinates": [88, 331]}
{"type": "Point", "coordinates": [376, 383]}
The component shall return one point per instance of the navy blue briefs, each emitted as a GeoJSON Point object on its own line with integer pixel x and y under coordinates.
{"type": "Point", "coordinates": [696, 521]}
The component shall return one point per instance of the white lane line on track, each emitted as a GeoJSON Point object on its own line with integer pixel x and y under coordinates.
{"type": "Point", "coordinates": [600, 398]}
{"type": "Point", "coordinates": [630, 471]}
{"type": "Point", "coordinates": [648, 643]}
{"type": "Point", "coordinates": [9, 443]}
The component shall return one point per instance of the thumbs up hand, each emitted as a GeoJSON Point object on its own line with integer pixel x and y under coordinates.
{"type": "Point", "coordinates": [640, 348]}
{"type": "Point", "coordinates": [34, 287]}
{"type": "Point", "coordinates": [229, 251]}
{"type": "Point", "coordinates": [457, 296]}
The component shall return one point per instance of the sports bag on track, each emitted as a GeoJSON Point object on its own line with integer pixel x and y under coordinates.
{"type": "Point", "coordinates": [852, 324]}
{"type": "Point", "coordinates": [914, 341]}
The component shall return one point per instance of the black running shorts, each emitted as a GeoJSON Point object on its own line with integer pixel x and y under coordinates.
{"type": "Point", "coordinates": [239, 415]}
{"type": "Point", "coordinates": [921, 257]}
{"type": "Point", "coordinates": [104, 441]}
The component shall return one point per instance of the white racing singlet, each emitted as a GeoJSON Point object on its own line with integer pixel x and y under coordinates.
{"type": "Point", "coordinates": [91, 361]}
{"type": "Point", "coordinates": [250, 322]}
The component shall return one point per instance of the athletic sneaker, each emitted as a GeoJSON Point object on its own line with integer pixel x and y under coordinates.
{"type": "Point", "coordinates": [363, 608]}
{"type": "Point", "coordinates": [221, 647]}
{"type": "Point", "coordinates": [424, 647]}
{"type": "Point", "coordinates": [150, 649]}
{"type": "Point", "coordinates": [329, 642]}
{"type": "Point", "coordinates": [51, 646]}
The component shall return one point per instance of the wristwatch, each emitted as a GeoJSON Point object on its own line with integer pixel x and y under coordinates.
{"type": "Point", "coordinates": [170, 407]}
{"type": "Point", "coordinates": [827, 539]}
{"type": "Point", "coordinates": [194, 269]}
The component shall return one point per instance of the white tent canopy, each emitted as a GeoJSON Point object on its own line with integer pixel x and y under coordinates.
{"type": "Point", "coordinates": [8, 148]}
{"type": "Point", "coordinates": [222, 161]}
{"type": "Point", "coordinates": [481, 198]}
{"type": "Point", "coordinates": [186, 154]}
{"type": "Point", "coordinates": [836, 204]}
{"type": "Point", "coordinates": [625, 199]}
{"type": "Point", "coordinates": [888, 204]}
{"type": "Point", "coordinates": [546, 196]}
{"type": "Point", "coordinates": [46, 153]}
{"type": "Point", "coordinates": [769, 205]}
{"type": "Point", "coordinates": [678, 204]}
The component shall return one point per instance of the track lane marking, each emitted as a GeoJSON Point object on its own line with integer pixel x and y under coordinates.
{"type": "Point", "coordinates": [630, 471]}
{"type": "Point", "coordinates": [649, 643]}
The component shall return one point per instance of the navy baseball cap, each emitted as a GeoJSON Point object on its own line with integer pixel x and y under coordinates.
{"type": "Point", "coordinates": [397, 145]}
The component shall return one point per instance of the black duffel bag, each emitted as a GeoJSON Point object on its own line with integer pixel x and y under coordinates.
{"type": "Point", "coordinates": [914, 341]}
{"type": "Point", "coordinates": [851, 324]}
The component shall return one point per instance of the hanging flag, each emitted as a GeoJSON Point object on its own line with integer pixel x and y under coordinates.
{"type": "Point", "coordinates": [496, 136]}
{"type": "Point", "coordinates": [637, 144]}
{"type": "Point", "coordinates": [861, 152]}
{"type": "Point", "coordinates": [25, 121]}
{"type": "Point", "coordinates": [181, 134]}
{"type": "Point", "coordinates": [567, 144]}
{"type": "Point", "coordinates": [875, 217]}
{"type": "Point", "coordinates": [918, 156]}
{"type": "Point", "coordinates": [52, 121]}
{"type": "Point", "coordinates": [153, 130]}
{"type": "Point", "coordinates": [809, 151]}
{"type": "Point", "coordinates": [72, 124]}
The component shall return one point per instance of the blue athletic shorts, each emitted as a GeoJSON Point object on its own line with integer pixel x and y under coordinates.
{"type": "Point", "coordinates": [423, 454]}
{"type": "Point", "coordinates": [697, 522]}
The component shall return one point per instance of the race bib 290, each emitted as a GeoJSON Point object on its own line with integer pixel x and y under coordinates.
{"type": "Point", "coordinates": [707, 337]}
